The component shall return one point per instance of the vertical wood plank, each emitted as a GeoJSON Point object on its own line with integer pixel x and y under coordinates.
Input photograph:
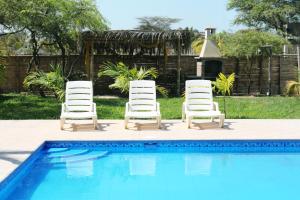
{"type": "Point", "coordinates": [91, 76]}
{"type": "Point", "coordinates": [178, 66]}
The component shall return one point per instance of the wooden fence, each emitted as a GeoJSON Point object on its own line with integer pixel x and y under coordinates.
{"type": "Point", "coordinates": [254, 81]}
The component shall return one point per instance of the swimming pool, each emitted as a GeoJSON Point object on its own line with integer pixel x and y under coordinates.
{"type": "Point", "coordinates": [227, 170]}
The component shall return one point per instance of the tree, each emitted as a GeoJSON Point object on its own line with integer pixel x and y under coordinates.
{"type": "Point", "coordinates": [156, 23]}
{"type": "Point", "coordinates": [48, 22]}
{"type": "Point", "coordinates": [12, 44]}
{"type": "Point", "coordinates": [266, 14]}
{"type": "Point", "coordinates": [245, 44]}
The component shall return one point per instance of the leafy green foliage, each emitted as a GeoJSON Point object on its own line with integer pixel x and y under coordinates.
{"type": "Point", "coordinates": [123, 75]}
{"type": "Point", "coordinates": [266, 14]}
{"type": "Point", "coordinates": [14, 44]}
{"type": "Point", "coordinates": [53, 81]}
{"type": "Point", "coordinates": [245, 43]}
{"type": "Point", "coordinates": [51, 22]}
{"type": "Point", "coordinates": [223, 84]}
{"type": "Point", "coordinates": [156, 23]}
{"type": "Point", "coordinates": [197, 45]}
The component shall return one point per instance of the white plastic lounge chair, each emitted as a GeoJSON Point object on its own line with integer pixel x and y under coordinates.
{"type": "Point", "coordinates": [199, 102]}
{"type": "Point", "coordinates": [79, 102]}
{"type": "Point", "coordinates": [142, 102]}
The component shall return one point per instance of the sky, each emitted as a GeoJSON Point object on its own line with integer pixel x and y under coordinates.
{"type": "Point", "coordinates": [199, 14]}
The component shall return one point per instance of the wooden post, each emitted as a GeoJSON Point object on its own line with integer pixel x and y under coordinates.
{"type": "Point", "coordinates": [203, 65]}
{"type": "Point", "coordinates": [87, 58]}
{"type": "Point", "coordinates": [298, 56]}
{"type": "Point", "coordinates": [178, 66]}
{"type": "Point", "coordinates": [165, 62]}
{"type": "Point", "coordinates": [279, 75]}
{"type": "Point", "coordinates": [91, 75]}
{"type": "Point", "coordinates": [270, 75]}
{"type": "Point", "coordinates": [260, 67]}
{"type": "Point", "coordinates": [237, 73]}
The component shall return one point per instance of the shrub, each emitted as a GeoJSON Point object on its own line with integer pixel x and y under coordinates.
{"type": "Point", "coordinates": [224, 85]}
{"type": "Point", "coordinates": [122, 75]}
{"type": "Point", "coordinates": [292, 88]}
{"type": "Point", "coordinates": [53, 81]}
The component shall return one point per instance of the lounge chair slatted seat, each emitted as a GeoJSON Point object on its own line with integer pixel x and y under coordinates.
{"type": "Point", "coordinates": [79, 102]}
{"type": "Point", "coordinates": [199, 102]}
{"type": "Point", "coordinates": [142, 102]}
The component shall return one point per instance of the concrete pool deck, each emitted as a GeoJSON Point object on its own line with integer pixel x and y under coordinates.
{"type": "Point", "coordinates": [19, 138]}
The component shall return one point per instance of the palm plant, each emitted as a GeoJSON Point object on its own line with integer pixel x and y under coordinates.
{"type": "Point", "coordinates": [223, 85]}
{"type": "Point", "coordinates": [53, 81]}
{"type": "Point", "coordinates": [123, 75]}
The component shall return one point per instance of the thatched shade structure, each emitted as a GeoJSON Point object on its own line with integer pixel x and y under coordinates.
{"type": "Point", "coordinates": [135, 43]}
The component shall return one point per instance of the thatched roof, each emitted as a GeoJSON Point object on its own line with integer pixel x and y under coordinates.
{"type": "Point", "coordinates": [138, 42]}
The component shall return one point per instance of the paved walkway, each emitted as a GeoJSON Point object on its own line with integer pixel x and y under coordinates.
{"type": "Point", "coordinates": [19, 138]}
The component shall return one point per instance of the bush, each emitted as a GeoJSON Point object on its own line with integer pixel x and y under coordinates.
{"type": "Point", "coordinates": [123, 75]}
{"type": "Point", "coordinates": [293, 88]}
{"type": "Point", "coordinates": [52, 81]}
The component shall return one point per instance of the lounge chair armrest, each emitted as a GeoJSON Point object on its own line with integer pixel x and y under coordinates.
{"type": "Point", "coordinates": [216, 106]}
{"type": "Point", "coordinates": [127, 107]}
{"type": "Point", "coordinates": [157, 107]}
{"type": "Point", "coordinates": [184, 107]}
{"type": "Point", "coordinates": [94, 107]}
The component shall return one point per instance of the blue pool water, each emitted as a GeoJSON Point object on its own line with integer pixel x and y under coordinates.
{"type": "Point", "coordinates": [146, 171]}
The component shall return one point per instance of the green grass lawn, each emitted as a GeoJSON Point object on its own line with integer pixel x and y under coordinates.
{"type": "Point", "coordinates": [22, 106]}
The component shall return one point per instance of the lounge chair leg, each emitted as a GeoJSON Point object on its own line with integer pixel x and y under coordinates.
{"type": "Point", "coordinates": [74, 126]}
{"type": "Point", "coordinates": [188, 122]}
{"type": "Point", "coordinates": [126, 122]}
{"type": "Point", "coordinates": [158, 122]}
{"type": "Point", "coordinates": [95, 123]}
{"type": "Point", "coordinates": [62, 122]}
{"type": "Point", "coordinates": [221, 123]}
{"type": "Point", "coordinates": [212, 119]}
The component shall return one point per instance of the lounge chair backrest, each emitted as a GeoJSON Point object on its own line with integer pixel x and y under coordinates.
{"type": "Point", "coordinates": [142, 95]}
{"type": "Point", "coordinates": [198, 94]}
{"type": "Point", "coordinates": [79, 96]}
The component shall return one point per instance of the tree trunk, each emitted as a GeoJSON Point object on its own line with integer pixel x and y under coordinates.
{"type": "Point", "coordinates": [63, 53]}
{"type": "Point", "coordinates": [35, 53]}
{"type": "Point", "coordinates": [63, 57]}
